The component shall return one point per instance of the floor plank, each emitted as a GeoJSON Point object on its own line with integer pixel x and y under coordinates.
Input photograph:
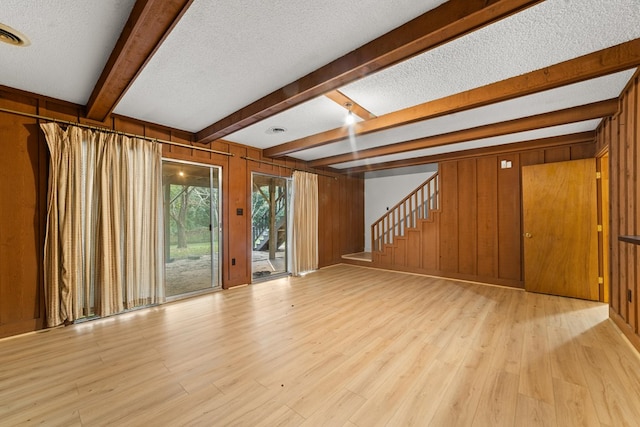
{"type": "Point", "coordinates": [346, 346]}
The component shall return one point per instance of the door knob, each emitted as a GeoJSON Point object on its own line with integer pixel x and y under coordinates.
{"type": "Point", "coordinates": [528, 235]}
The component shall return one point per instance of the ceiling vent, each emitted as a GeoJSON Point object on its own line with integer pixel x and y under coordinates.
{"type": "Point", "coordinates": [12, 37]}
{"type": "Point", "coordinates": [276, 130]}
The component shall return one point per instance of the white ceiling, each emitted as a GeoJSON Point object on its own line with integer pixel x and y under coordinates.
{"type": "Point", "coordinates": [593, 90]}
{"type": "Point", "coordinates": [226, 54]}
{"type": "Point", "coordinates": [71, 41]}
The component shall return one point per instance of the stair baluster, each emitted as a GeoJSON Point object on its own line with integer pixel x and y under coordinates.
{"type": "Point", "coordinates": [406, 214]}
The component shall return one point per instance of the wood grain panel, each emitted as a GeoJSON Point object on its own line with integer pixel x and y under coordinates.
{"type": "Point", "coordinates": [560, 222]}
{"type": "Point", "coordinates": [534, 157]}
{"type": "Point", "coordinates": [414, 248]}
{"type": "Point", "coordinates": [340, 219]}
{"type": "Point", "coordinates": [400, 252]}
{"type": "Point", "coordinates": [630, 105]}
{"type": "Point", "coordinates": [624, 218]}
{"type": "Point", "coordinates": [583, 151]}
{"type": "Point", "coordinates": [635, 194]}
{"type": "Point", "coordinates": [467, 217]}
{"type": "Point", "coordinates": [622, 135]}
{"type": "Point", "coordinates": [611, 139]}
{"type": "Point", "coordinates": [237, 225]}
{"type": "Point", "coordinates": [449, 217]}
{"type": "Point", "coordinates": [561, 154]}
{"type": "Point", "coordinates": [325, 222]}
{"type": "Point", "coordinates": [23, 167]}
{"type": "Point", "coordinates": [430, 242]}
{"type": "Point", "coordinates": [509, 220]}
{"type": "Point", "coordinates": [487, 171]}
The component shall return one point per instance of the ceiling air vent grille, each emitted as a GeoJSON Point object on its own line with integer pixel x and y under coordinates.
{"type": "Point", "coordinates": [276, 130]}
{"type": "Point", "coordinates": [11, 36]}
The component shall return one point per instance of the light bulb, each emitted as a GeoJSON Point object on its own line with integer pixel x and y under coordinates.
{"type": "Point", "coordinates": [350, 119]}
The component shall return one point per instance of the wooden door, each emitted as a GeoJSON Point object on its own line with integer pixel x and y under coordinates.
{"type": "Point", "coordinates": [560, 229]}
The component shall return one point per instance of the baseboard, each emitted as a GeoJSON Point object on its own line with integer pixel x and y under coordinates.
{"type": "Point", "coordinates": [625, 328]}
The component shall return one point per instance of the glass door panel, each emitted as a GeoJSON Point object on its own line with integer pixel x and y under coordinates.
{"type": "Point", "coordinates": [191, 212]}
{"type": "Point", "coordinates": [269, 202]}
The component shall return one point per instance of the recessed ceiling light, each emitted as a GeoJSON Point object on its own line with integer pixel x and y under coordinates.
{"type": "Point", "coordinates": [13, 37]}
{"type": "Point", "coordinates": [276, 130]}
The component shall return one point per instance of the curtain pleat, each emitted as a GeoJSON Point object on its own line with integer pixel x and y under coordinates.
{"type": "Point", "coordinates": [305, 223]}
{"type": "Point", "coordinates": [103, 247]}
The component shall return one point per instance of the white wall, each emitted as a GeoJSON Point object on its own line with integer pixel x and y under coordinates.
{"type": "Point", "coordinates": [384, 189]}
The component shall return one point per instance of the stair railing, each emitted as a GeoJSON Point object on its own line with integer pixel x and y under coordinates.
{"type": "Point", "coordinates": [406, 214]}
{"type": "Point", "coordinates": [261, 224]}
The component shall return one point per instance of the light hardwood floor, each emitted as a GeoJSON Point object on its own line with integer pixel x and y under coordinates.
{"type": "Point", "coordinates": [345, 346]}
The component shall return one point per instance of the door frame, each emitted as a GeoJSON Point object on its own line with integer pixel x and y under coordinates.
{"type": "Point", "coordinates": [217, 275]}
{"type": "Point", "coordinates": [604, 215]}
{"type": "Point", "coordinates": [587, 219]}
{"type": "Point", "coordinates": [287, 192]}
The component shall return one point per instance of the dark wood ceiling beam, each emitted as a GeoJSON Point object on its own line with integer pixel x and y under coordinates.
{"type": "Point", "coordinates": [536, 144]}
{"type": "Point", "coordinates": [348, 103]}
{"type": "Point", "coordinates": [555, 118]}
{"type": "Point", "coordinates": [449, 21]}
{"type": "Point", "coordinates": [607, 61]}
{"type": "Point", "coordinates": [148, 25]}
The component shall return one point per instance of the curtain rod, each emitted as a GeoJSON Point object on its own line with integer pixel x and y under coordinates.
{"type": "Point", "coordinates": [66, 122]}
{"type": "Point", "coordinates": [335, 176]}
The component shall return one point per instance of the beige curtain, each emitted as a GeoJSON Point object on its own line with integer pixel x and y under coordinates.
{"type": "Point", "coordinates": [103, 246]}
{"type": "Point", "coordinates": [304, 242]}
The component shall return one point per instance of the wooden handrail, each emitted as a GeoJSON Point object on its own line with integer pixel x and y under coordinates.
{"type": "Point", "coordinates": [406, 213]}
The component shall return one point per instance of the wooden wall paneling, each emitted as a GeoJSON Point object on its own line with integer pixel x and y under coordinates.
{"type": "Point", "coordinates": [631, 148]}
{"type": "Point", "coordinates": [430, 243]}
{"type": "Point", "coordinates": [23, 169]}
{"type": "Point", "coordinates": [358, 213]}
{"type": "Point", "coordinates": [582, 151]}
{"type": "Point", "coordinates": [326, 192]}
{"type": "Point", "coordinates": [339, 210]}
{"type": "Point", "coordinates": [49, 108]}
{"type": "Point", "coordinates": [614, 193]}
{"type": "Point", "coordinates": [509, 220]}
{"type": "Point", "coordinates": [123, 124]}
{"type": "Point", "coordinates": [487, 172]}
{"type": "Point", "coordinates": [636, 197]}
{"type": "Point", "coordinates": [414, 248]}
{"type": "Point", "coordinates": [533, 157]}
{"type": "Point", "coordinates": [344, 221]}
{"type": "Point", "coordinates": [157, 132]}
{"type": "Point", "coordinates": [623, 132]}
{"type": "Point", "coordinates": [558, 154]}
{"type": "Point", "coordinates": [468, 217]}
{"type": "Point", "coordinates": [400, 252]}
{"type": "Point", "coordinates": [238, 248]}
{"type": "Point", "coordinates": [603, 220]}
{"type": "Point", "coordinates": [622, 147]}
{"type": "Point", "coordinates": [448, 251]}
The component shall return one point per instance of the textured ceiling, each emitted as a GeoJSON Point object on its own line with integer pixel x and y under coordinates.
{"type": "Point", "coordinates": [221, 56]}
{"type": "Point", "coordinates": [480, 143]}
{"type": "Point", "coordinates": [582, 93]}
{"type": "Point", "coordinates": [71, 41]}
{"type": "Point", "coordinates": [318, 115]}
{"type": "Point", "coordinates": [226, 54]}
{"type": "Point", "coordinates": [546, 34]}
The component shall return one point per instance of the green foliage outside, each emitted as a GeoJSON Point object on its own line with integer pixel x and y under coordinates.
{"type": "Point", "coordinates": [190, 214]}
{"type": "Point", "coordinates": [193, 249]}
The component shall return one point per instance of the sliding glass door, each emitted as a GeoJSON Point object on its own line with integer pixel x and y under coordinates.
{"type": "Point", "coordinates": [269, 212]}
{"type": "Point", "coordinates": [192, 227]}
